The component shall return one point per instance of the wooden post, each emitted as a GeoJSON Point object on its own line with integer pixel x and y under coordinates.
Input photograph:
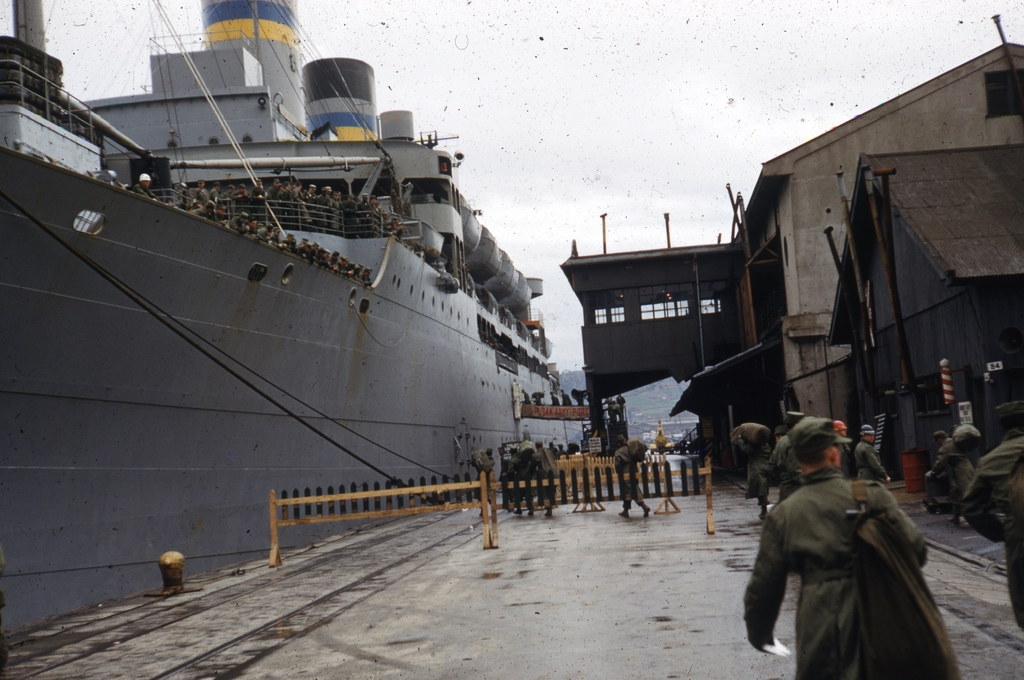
{"type": "Point", "coordinates": [667, 505]}
{"type": "Point", "coordinates": [275, 549]}
{"type": "Point", "coordinates": [485, 510]}
{"type": "Point", "coordinates": [706, 472]}
{"type": "Point", "coordinates": [494, 513]}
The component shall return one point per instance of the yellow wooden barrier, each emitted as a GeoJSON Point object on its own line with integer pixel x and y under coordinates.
{"type": "Point", "coordinates": [387, 500]}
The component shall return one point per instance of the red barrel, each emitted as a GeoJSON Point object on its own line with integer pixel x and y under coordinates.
{"type": "Point", "coordinates": [915, 464]}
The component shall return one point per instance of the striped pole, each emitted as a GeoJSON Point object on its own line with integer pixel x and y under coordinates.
{"type": "Point", "coordinates": [947, 382]}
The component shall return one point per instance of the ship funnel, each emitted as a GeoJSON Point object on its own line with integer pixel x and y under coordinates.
{"type": "Point", "coordinates": [269, 34]}
{"type": "Point", "coordinates": [29, 24]}
{"type": "Point", "coordinates": [397, 126]}
{"type": "Point", "coordinates": [342, 92]}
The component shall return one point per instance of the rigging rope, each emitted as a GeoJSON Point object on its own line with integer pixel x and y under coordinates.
{"type": "Point", "coordinates": [212, 102]}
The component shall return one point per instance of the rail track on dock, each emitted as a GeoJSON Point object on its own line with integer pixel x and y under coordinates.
{"type": "Point", "coordinates": [237, 618]}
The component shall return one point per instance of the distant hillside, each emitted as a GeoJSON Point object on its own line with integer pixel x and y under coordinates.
{"type": "Point", "coordinates": [645, 406]}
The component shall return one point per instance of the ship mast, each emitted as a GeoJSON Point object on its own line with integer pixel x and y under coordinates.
{"type": "Point", "coordinates": [29, 25]}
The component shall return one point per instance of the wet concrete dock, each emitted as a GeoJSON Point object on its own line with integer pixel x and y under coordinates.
{"type": "Point", "coordinates": [572, 596]}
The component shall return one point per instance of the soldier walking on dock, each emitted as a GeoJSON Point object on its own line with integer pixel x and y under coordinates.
{"type": "Point", "coordinates": [868, 464]}
{"type": "Point", "coordinates": [812, 534]}
{"type": "Point", "coordinates": [627, 456]}
{"type": "Point", "coordinates": [783, 462]}
{"type": "Point", "coordinates": [549, 473]}
{"type": "Point", "coordinates": [954, 462]}
{"type": "Point", "coordinates": [520, 463]}
{"type": "Point", "coordinates": [999, 480]}
{"type": "Point", "coordinates": [752, 440]}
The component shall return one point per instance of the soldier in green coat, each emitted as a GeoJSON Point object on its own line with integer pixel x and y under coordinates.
{"type": "Point", "coordinates": [752, 440]}
{"type": "Point", "coordinates": [868, 464]}
{"type": "Point", "coordinates": [811, 534]}
{"type": "Point", "coordinates": [627, 456]}
{"type": "Point", "coordinates": [520, 462]}
{"type": "Point", "coordinates": [991, 485]}
{"type": "Point", "coordinates": [783, 462]}
{"type": "Point", "coordinates": [548, 469]}
{"type": "Point", "coordinates": [954, 462]}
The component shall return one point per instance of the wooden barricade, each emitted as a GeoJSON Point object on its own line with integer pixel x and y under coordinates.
{"type": "Point", "coordinates": [392, 501]}
{"type": "Point", "coordinates": [591, 481]}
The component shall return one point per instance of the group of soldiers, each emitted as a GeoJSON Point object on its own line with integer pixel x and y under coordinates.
{"type": "Point", "coordinates": [533, 461]}
{"type": "Point", "coordinates": [811, 531]}
{"type": "Point", "coordinates": [293, 205]}
{"type": "Point", "coordinates": [765, 462]}
{"type": "Point", "coordinates": [212, 205]}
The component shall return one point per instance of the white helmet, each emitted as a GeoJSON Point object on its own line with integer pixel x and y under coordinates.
{"type": "Point", "coordinates": [145, 178]}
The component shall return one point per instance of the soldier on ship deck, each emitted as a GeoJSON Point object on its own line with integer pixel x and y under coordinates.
{"type": "Point", "coordinates": [142, 187]}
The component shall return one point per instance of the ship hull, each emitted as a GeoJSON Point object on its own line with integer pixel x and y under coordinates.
{"type": "Point", "coordinates": [120, 441]}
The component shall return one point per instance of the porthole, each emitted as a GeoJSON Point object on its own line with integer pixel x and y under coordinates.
{"type": "Point", "coordinates": [364, 306]}
{"type": "Point", "coordinates": [286, 275]}
{"type": "Point", "coordinates": [352, 297]}
{"type": "Point", "coordinates": [257, 272]}
{"type": "Point", "coordinates": [214, 140]}
{"type": "Point", "coordinates": [172, 144]}
{"type": "Point", "coordinates": [247, 139]}
{"type": "Point", "coordinates": [90, 222]}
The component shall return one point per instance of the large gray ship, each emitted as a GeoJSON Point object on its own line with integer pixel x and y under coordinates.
{"type": "Point", "coordinates": [121, 440]}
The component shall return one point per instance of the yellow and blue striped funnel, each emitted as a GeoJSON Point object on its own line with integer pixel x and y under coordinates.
{"type": "Point", "coordinates": [232, 19]}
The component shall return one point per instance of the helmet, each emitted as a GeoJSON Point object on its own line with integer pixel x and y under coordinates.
{"type": "Point", "coordinates": [145, 178]}
{"type": "Point", "coordinates": [839, 426]}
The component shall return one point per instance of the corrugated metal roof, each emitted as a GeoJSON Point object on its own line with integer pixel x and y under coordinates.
{"type": "Point", "coordinates": [967, 206]}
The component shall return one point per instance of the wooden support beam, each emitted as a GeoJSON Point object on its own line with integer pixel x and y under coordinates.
{"type": "Point", "coordinates": [275, 549]}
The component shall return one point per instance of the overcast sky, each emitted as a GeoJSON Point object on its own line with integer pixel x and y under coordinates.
{"type": "Point", "coordinates": [566, 110]}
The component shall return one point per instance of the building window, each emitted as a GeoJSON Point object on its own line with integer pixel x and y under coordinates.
{"type": "Point", "coordinates": [664, 302]}
{"type": "Point", "coordinates": [1000, 93]}
{"type": "Point", "coordinates": [886, 402]}
{"type": "Point", "coordinates": [929, 395]}
{"type": "Point", "coordinates": [710, 306]}
{"type": "Point", "coordinates": [607, 306]}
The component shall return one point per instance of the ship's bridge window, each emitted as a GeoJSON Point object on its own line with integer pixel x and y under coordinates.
{"type": "Point", "coordinates": [444, 165]}
{"type": "Point", "coordinates": [430, 190]}
{"type": "Point", "coordinates": [90, 222]}
{"type": "Point", "coordinates": [664, 302]}
{"type": "Point", "coordinates": [606, 306]}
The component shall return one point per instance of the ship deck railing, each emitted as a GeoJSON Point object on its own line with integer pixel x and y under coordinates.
{"type": "Point", "coordinates": [294, 215]}
{"type": "Point", "coordinates": [35, 92]}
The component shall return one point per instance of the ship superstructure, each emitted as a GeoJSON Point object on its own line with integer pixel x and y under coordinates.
{"type": "Point", "coordinates": [121, 441]}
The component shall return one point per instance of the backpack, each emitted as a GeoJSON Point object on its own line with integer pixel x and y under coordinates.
{"type": "Point", "coordinates": [481, 461]}
{"type": "Point", "coordinates": [901, 630]}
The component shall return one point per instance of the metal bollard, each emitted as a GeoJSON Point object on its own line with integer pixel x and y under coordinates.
{"type": "Point", "coordinates": [172, 569]}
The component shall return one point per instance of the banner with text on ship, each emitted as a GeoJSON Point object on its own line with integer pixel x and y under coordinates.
{"type": "Point", "coordinates": [556, 412]}
{"type": "Point", "coordinates": [524, 409]}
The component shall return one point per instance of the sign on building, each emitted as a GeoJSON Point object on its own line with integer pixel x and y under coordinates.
{"type": "Point", "coordinates": [879, 430]}
{"type": "Point", "coordinates": [966, 413]}
{"type": "Point", "coordinates": [594, 445]}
